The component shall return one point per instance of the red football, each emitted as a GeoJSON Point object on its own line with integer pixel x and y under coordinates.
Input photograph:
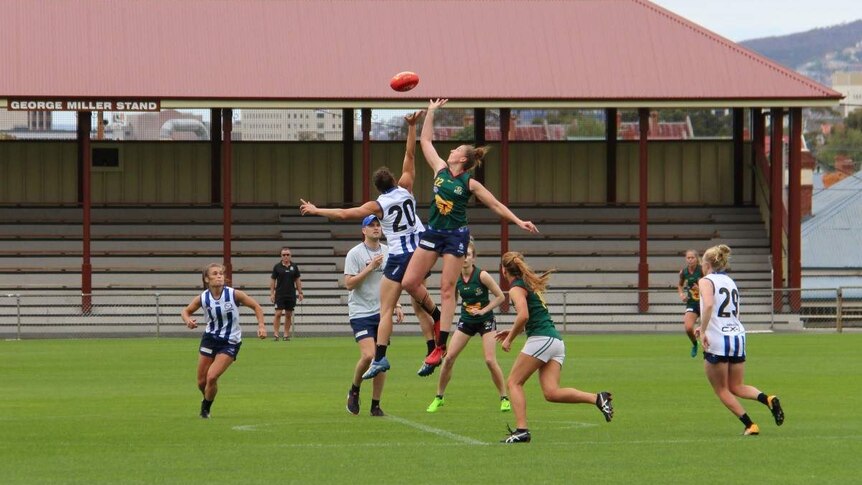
{"type": "Point", "coordinates": [404, 81]}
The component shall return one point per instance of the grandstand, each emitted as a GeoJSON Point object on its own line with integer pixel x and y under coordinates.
{"type": "Point", "coordinates": [141, 251]}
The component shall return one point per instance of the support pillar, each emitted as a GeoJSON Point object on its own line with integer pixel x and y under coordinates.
{"type": "Point", "coordinates": [505, 121]}
{"type": "Point", "coordinates": [366, 154]}
{"type": "Point", "coordinates": [85, 164]}
{"type": "Point", "coordinates": [227, 196]}
{"type": "Point", "coordinates": [347, 155]}
{"type": "Point", "coordinates": [776, 203]}
{"type": "Point", "coordinates": [738, 157]}
{"type": "Point", "coordinates": [758, 150]}
{"type": "Point", "coordinates": [479, 137]}
{"type": "Point", "coordinates": [611, 129]}
{"type": "Point", "coordinates": [794, 210]}
{"type": "Point", "coordinates": [215, 155]}
{"type": "Point", "coordinates": [643, 157]}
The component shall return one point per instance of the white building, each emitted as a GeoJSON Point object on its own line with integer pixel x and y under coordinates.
{"type": "Point", "coordinates": [850, 85]}
{"type": "Point", "coordinates": [290, 124]}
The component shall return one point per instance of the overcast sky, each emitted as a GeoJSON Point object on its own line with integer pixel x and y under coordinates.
{"type": "Point", "coordinates": [749, 19]}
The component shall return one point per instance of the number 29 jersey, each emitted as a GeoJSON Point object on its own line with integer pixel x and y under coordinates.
{"type": "Point", "coordinates": [400, 224]}
{"type": "Point", "coordinates": [725, 332]}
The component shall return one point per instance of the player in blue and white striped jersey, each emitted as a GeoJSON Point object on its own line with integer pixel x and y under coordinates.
{"type": "Point", "coordinates": [396, 210]}
{"type": "Point", "coordinates": [723, 338]}
{"type": "Point", "coordinates": [222, 336]}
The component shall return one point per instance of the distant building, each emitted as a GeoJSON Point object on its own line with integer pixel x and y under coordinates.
{"type": "Point", "coordinates": [850, 85]}
{"type": "Point", "coordinates": [831, 238]}
{"type": "Point", "coordinates": [658, 130]}
{"type": "Point", "coordinates": [163, 125]}
{"type": "Point", "coordinates": [290, 124]}
{"type": "Point", "coordinates": [13, 120]}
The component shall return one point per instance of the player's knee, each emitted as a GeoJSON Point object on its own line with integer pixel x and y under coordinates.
{"type": "Point", "coordinates": [491, 362]}
{"type": "Point", "coordinates": [447, 291]}
{"type": "Point", "coordinates": [411, 285]}
{"type": "Point", "coordinates": [366, 357]}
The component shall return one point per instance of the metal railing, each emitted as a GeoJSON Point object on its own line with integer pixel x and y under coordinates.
{"type": "Point", "coordinates": [32, 313]}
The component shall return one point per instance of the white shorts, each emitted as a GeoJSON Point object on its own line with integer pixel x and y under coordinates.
{"type": "Point", "coordinates": [545, 349]}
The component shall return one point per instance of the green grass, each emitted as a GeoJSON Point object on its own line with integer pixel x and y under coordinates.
{"type": "Point", "coordinates": [83, 411]}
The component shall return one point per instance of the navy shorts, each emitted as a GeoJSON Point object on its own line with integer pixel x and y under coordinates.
{"type": "Point", "coordinates": [481, 327]}
{"type": "Point", "coordinates": [446, 242]}
{"type": "Point", "coordinates": [396, 266]}
{"type": "Point", "coordinates": [693, 307]}
{"type": "Point", "coordinates": [717, 359]}
{"type": "Point", "coordinates": [285, 303]}
{"type": "Point", "coordinates": [211, 346]}
{"type": "Point", "coordinates": [365, 327]}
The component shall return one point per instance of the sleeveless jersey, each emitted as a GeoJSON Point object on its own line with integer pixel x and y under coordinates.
{"type": "Point", "coordinates": [689, 282]}
{"type": "Point", "coordinates": [400, 224]}
{"type": "Point", "coordinates": [539, 322]}
{"type": "Point", "coordinates": [222, 315]}
{"type": "Point", "coordinates": [474, 295]}
{"type": "Point", "coordinates": [725, 332]}
{"type": "Point", "coordinates": [449, 205]}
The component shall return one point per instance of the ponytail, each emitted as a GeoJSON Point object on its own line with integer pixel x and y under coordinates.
{"type": "Point", "coordinates": [475, 156]}
{"type": "Point", "coordinates": [515, 265]}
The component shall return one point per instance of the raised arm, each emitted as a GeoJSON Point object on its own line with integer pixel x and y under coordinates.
{"type": "Point", "coordinates": [408, 168]}
{"type": "Point", "coordinates": [428, 150]}
{"type": "Point", "coordinates": [487, 198]}
{"type": "Point", "coordinates": [366, 209]}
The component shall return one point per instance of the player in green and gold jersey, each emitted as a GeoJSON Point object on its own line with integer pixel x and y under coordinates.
{"type": "Point", "coordinates": [447, 234]}
{"type": "Point", "coordinates": [477, 317]}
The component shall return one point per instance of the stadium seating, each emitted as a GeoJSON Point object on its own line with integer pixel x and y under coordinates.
{"type": "Point", "coordinates": [148, 250]}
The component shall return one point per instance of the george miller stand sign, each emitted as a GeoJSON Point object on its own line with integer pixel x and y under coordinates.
{"type": "Point", "coordinates": [82, 105]}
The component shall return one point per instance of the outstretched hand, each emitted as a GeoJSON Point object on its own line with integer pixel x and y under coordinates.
{"type": "Point", "coordinates": [307, 208]}
{"type": "Point", "coordinates": [434, 104]}
{"type": "Point", "coordinates": [413, 117]}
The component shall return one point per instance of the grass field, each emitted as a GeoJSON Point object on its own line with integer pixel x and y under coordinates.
{"type": "Point", "coordinates": [125, 410]}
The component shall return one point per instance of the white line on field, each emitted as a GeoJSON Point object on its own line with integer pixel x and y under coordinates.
{"type": "Point", "coordinates": [437, 431]}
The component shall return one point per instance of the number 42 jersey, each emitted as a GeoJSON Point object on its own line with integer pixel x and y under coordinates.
{"type": "Point", "coordinates": [401, 226]}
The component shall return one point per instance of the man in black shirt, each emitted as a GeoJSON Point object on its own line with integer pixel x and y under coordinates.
{"type": "Point", "coordinates": [285, 289]}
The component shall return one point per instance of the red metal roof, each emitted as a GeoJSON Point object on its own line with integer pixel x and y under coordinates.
{"type": "Point", "coordinates": [590, 50]}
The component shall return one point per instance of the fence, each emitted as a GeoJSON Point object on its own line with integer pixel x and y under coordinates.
{"type": "Point", "coordinates": [42, 314]}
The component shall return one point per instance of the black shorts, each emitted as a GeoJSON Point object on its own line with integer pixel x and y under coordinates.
{"type": "Point", "coordinates": [693, 306]}
{"type": "Point", "coordinates": [285, 303]}
{"type": "Point", "coordinates": [212, 346]}
{"type": "Point", "coordinates": [717, 359]}
{"type": "Point", "coordinates": [480, 327]}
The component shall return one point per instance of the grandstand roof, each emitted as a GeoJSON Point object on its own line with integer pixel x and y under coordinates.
{"type": "Point", "coordinates": [278, 53]}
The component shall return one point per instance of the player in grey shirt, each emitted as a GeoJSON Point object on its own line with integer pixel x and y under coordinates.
{"type": "Point", "coordinates": [363, 270]}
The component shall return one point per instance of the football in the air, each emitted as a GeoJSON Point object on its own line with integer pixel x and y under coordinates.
{"type": "Point", "coordinates": [404, 81]}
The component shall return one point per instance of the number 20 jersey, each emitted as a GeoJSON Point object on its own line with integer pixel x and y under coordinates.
{"type": "Point", "coordinates": [400, 224]}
